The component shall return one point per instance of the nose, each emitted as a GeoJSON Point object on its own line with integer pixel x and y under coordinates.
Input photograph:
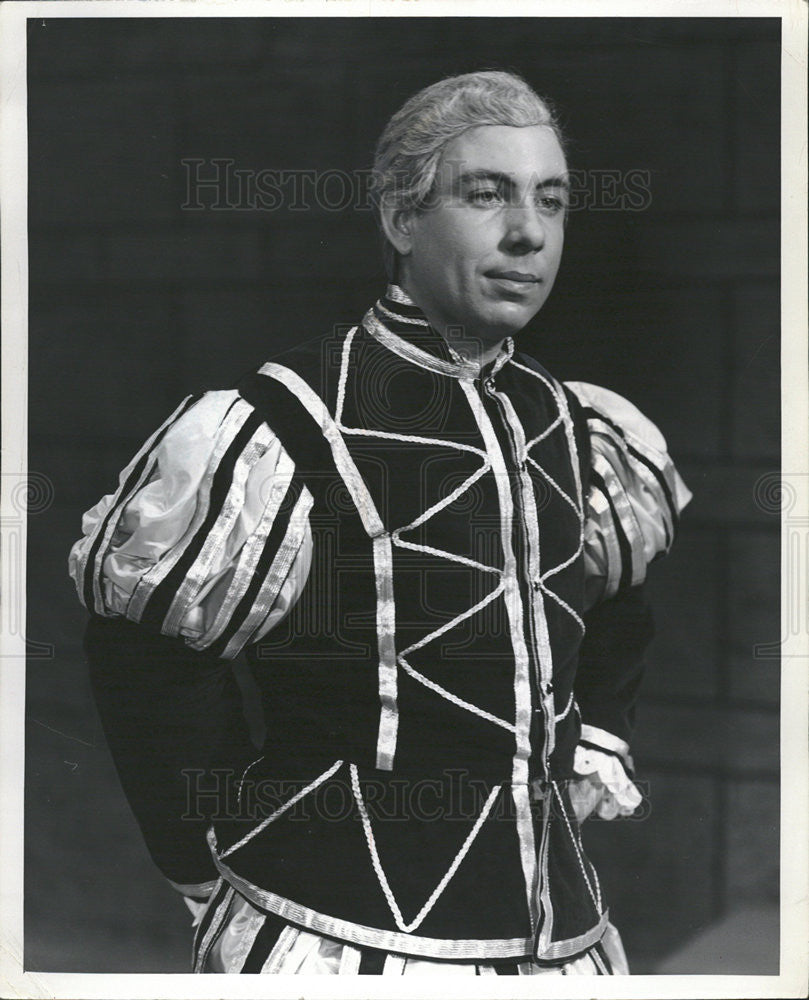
{"type": "Point", "coordinates": [525, 229]}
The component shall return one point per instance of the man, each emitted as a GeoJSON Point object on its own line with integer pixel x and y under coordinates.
{"type": "Point", "coordinates": [432, 553]}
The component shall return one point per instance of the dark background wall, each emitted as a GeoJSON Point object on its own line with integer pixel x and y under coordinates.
{"type": "Point", "coordinates": [135, 302]}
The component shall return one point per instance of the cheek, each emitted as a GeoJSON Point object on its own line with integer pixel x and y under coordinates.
{"type": "Point", "coordinates": [456, 226]}
{"type": "Point", "coordinates": [552, 253]}
{"type": "Point", "coordinates": [435, 248]}
{"type": "Point", "coordinates": [449, 250]}
{"type": "Point", "coordinates": [448, 255]}
{"type": "Point", "coordinates": [451, 243]}
{"type": "Point", "coordinates": [559, 242]}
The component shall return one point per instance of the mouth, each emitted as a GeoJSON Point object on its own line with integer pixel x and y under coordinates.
{"type": "Point", "coordinates": [520, 277]}
{"type": "Point", "coordinates": [516, 284]}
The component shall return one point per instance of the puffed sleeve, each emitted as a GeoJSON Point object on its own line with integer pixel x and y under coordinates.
{"type": "Point", "coordinates": [202, 548]}
{"type": "Point", "coordinates": [635, 495]}
{"type": "Point", "coordinates": [207, 537]}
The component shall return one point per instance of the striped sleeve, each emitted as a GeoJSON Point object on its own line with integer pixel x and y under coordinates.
{"type": "Point", "coordinates": [635, 497]}
{"type": "Point", "coordinates": [207, 537]}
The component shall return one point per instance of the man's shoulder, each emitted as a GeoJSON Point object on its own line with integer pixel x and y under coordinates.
{"type": "Point", "coordinates": [295, 391]}
{"type": "Point", "coordinates": [314, 361]}
{"type": "Point", "coordinates": [529, 364]}
{"type": "Point", "coordinates": [524, 360]}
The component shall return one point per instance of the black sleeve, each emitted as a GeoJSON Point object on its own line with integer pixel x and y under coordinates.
{"type": "Point", "coordinates": [611, 667]}
{"type": "Point", "coordinates": [174, 723]}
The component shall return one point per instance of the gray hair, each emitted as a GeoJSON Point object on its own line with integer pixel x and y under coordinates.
{"type": "Point", "coordinates": [409, 149]}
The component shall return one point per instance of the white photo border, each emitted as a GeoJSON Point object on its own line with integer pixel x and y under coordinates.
{"type": "Point", "coordinates": [792, 981]}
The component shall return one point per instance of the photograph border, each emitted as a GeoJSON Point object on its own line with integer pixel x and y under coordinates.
{"type": "Point", "coordinates": [14, 981]}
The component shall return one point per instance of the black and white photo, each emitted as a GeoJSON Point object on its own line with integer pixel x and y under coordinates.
{"type": "Point", "coordinates": [412, 516]}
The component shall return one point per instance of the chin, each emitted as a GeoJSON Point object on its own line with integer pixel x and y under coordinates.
{"type": "Point", "coordinates": [511, 317]}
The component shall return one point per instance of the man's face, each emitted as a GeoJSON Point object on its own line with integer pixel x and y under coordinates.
{"type": "Point", "coordinates": [484, 255]}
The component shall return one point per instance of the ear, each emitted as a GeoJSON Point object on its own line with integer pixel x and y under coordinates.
{"type": "Point", "coordinates": [397, 224]}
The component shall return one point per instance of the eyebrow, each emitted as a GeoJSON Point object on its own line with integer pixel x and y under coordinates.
{"type": "Point", "coordinates": [502, 178]}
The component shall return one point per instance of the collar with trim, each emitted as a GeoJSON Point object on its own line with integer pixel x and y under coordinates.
{"type": "Point", "coordinates": [398, 323]}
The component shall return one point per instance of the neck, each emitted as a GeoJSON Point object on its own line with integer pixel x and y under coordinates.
{"type": "Point", "coordinates": [472, 350]}
{"type": "Point", "coordinates": [477, 350]}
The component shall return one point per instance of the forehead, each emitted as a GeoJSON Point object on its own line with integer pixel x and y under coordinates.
{"type": "Point", "coordinates": [529, 153]}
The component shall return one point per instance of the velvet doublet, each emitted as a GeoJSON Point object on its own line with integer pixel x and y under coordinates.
{"type": "Point", "coordinates": [435, 572]}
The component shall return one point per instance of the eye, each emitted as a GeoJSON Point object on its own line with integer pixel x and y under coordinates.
{"type": "Point", "coordinates": [485, 197]}
{"type": "Point", "coordinates": [551, 204]}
